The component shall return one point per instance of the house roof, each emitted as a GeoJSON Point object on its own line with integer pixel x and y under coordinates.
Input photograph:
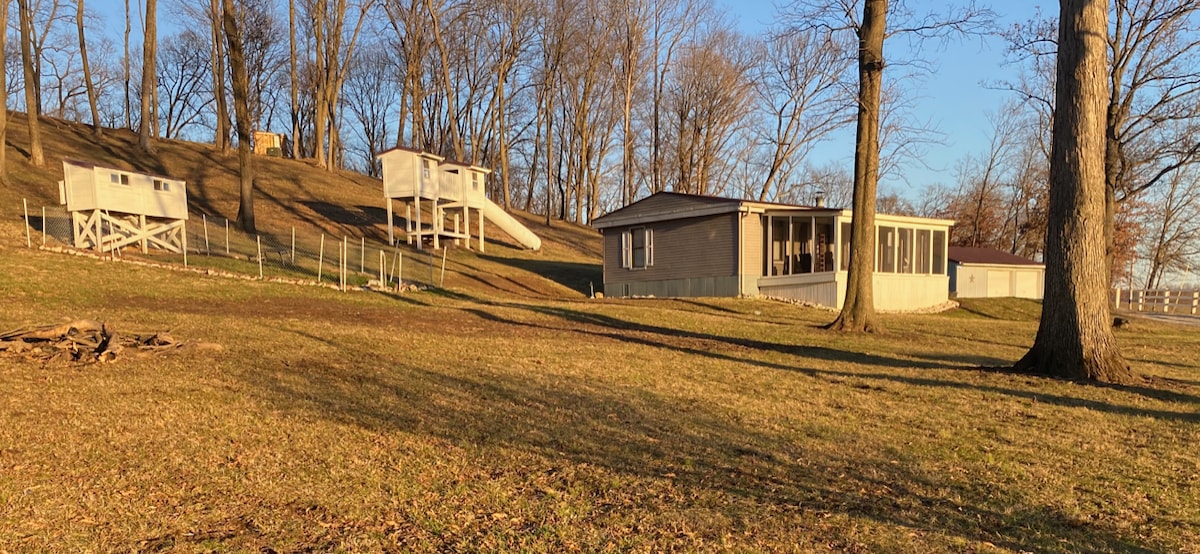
{"type": "Point", "coordinates": [989, 256]}
{"type": "Point", "coordinates": [412, 150]}
{"type": "Point", "coordinates": [667, 206]}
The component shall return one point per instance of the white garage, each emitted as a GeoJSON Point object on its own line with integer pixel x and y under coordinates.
{"type": "Point", "coordinates": [989, 273]}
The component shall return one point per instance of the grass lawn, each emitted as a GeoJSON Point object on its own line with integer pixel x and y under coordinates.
{"type": "Point", "coordinates": [500, 416]}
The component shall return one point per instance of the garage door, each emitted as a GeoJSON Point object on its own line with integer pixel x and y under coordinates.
{"type": "Point", "coordinates": [997, 283]}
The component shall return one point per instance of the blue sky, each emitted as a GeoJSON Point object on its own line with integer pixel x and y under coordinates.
{"type": "Point", "coordinates": [954, 99]}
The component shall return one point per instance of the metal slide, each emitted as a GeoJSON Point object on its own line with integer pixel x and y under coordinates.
{"type": "Point", "coordinates": [507, 223]}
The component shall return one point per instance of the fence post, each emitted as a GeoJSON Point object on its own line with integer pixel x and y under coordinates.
{"type": "Point", "coordinates": [399, 270]}
{"type": "Point", "coordinates": [43, 226]}
{"type": "Point", "coordinates": [1166, 301]}
{"type": "Point", "coordinates": [345, 262]}
{"type": "Point", "coordinates": [321, 258]}
{"type": "Point", "coordinates": [293, 245]}
{"type": "Point", "coordinates": [362, 262]}
{"type": "Point", "coordinates": [227, 236]}
{"type": "Point", "coordinates": [184, 243]}
{"type": "Point", "coordinates": [1195, 301]}
{"type": "Point", "coordinates": [207, 250]}
{"type": "Point", "coordinates": [1116, 298]}
{"type": "Point", "coordinates": [443, 283]}
{"type": "Point", "coordinates": [382, 262]}
{"type": "Point", "coordinates": [258, 240]}
{"type": "Point", "coordinates": [28, 240]}
{"type": "Point", "coordinates": [1141, 297]}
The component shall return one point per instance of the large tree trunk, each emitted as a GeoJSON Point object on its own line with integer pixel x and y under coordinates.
{"type": "Point", "coordinates": [294, 80]}
{"type": "Point", "coordinates": [3, 101]}
{"type": "Point", "coordinates": [125, 67]}
{"type": "Point", "coordinates": [149, 56]}
{"type": "Point", "coordinates": [87, 71]}
{"type": "Point", "coordinates": [36, 157]}
{"type": "Point", "coordinates": [221, 133]}
{"type": "Point", "coordinates": [1075, 338]}
{"type": "Point", "coordinates": [241, 108]}
{"type": "Point", "coordinates": [858, 311]}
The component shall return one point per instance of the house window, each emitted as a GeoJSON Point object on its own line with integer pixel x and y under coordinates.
{"type": "Point", "coordinates": [161, 185]}
{"type": "Point", "coordinates": [425, 167]}
{"type": "Point", "coordinates": [637, 248]}
{"type": "Point", "coordinates": [475, 181]}
{"type": "Point", "coordinates": [119, 178]}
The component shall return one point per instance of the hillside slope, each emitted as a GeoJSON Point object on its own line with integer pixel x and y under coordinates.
{"type": "Point", "coordinates": [296, 195]}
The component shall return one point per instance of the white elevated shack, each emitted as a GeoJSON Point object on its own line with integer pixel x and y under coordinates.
{"type": "Point", "coordinates": [112, 208]}
{"type": "Point", "coordinates": [414, 176]}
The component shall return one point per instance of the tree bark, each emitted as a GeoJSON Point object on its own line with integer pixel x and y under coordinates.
{"type": "Point", "coordinates": [858, 310]}
{"type": "Point", "coordinates": [294, 80]}
{"type": "Point", "coordinates": [3, 101]}
{"type": "Point", "coordinates": [221, 133]}
{"type": "Point", "coordinates": [149, 56]}
{"type": "Point", "coordinates": [241, 108]}
{"type": "Point", "coordinates": [87, 71]}
{"type": "Point", "coordinates": [1075, 339]}
{"type": "Point", "coordinates": [36, 157]}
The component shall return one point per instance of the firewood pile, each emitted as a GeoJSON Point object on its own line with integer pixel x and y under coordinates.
{"type": "Point", "coordinates": [84, 341]}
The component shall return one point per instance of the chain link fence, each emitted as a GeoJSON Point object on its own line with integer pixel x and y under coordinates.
{"type": "Point", "coordinates": [215, 244]}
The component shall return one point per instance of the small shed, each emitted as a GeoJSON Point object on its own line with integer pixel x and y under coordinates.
{"type": "Point", "coordinates": [267, 143]}
{"type": "Point", "coordinates": [991, 273]}
{"type": "Point", "coordinates": [111, 208]}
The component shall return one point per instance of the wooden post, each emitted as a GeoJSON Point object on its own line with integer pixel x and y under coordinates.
{"type": "Point", "coordinates": [1117, 298]}
{"type": "Point", "coordinates": [443, 280]}
{"type": "Point", "coordinates": [417, 201]}
{"type": "Point", "coordinates": [391, 237]}
{"type": "Point", "coordinates": [1141, 298]}
{"type": "Point", "coordinates": [362, 261]}
{"type": "Point", "coordinates": [382, 263]}
{"type": "Point", "coordinates": [344, 264]}
{"type": "Point", "coordinates": [482, 247]}
{"type": "Point", "coordinates": [227, 236]}
{"type": "Point", "coordinates": [395, 257]}
{"type": "Point", "coordinates": [293, 245]}
{"type": "Point", "coordinates": [204, 218]}
{"type": "Point", "coordinates": [1195, 301]}
{"type": "Point", "coordinates": [456, 233]}
{"type": "Point", "coordinates": [399, 270]}
{"type": "Point", "coordinates": [183, 242]}
{"type": "Point", "coordinates": [407, 224]}
{"type": "Point", "coordinates": [467, 225]}
{"type": "Point", "coordinates": [436, 213]}
{"type": "Point", "coordinates": [142, 229]}
{"type": "Point", "coordinates": [43, 226]}
{"type": "Point", "coordinates": [258, 240]}
{"type": "Point", "coordinates": [28, 240]}
{"type": "Point", "coordinates": [321, 258]}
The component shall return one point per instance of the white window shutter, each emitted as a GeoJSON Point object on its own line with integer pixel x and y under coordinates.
{"type": "Point", "coordinates": [626, 253]}
{"type": "Point", "coordinates": [649, 247]}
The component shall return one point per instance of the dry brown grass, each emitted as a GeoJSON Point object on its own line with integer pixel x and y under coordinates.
{"type": "Point", "coordinates": [508, 413]}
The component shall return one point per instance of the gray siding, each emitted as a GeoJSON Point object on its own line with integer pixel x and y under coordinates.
{"type": "Point", "coordinates": [688, 253]}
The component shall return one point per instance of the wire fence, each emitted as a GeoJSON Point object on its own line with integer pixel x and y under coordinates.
{"type": "Point", "coordinates": [216, 244]}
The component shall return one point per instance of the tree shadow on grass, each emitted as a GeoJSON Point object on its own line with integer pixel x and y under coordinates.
{"type": "Point", "coordinates": [681, 452]}
{"type": "Point", "coordinates": [583, 278]}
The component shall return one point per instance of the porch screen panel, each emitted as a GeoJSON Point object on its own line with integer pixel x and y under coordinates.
{"type": "Point", "coordinates": [924, 250]}
{"type": "Point", "coordinates": [801, 254]}
{"type": "Point", "coordinates": [779, 245]}
{"type": "Point", "coordinates": [823, 245]}
{"type": "Point", "coordinates": [844, 241]}
{"type": "Point", "coordinates": [886, 246]}
{"type": "Point", "coordinates": [904, 251]}
{"type": "Point", "coordinates": [939, 252]}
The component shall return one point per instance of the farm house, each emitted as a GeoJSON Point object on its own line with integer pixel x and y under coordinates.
{"type": "Point", "coordinates": [990, 273]}
{"type": "Point", "coordinates": [112, 208]}
{"type": "Point", "coordinates": [679, 245]}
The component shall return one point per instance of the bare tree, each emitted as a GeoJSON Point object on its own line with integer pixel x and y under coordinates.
{"type": "Point", "coordinates": [183, 74]}
{"type": "Point", "coordinates": [799, 86]}
{"type": "Point", "coordinates": [1174, 243]}
{"type": "Point", "coordinates": [4, 99]}
{"type": "Point", "coordinates": [87, 71]}
{"type": "Point", "coordinates": [369, 95]}
{"type": "Point", "coordinates": [1075, 338]}
{"type": "Point", "coordinates": [217, 54]}
{"type": "Point", "coordinates": [36, 157]}
{"type": "Point", "coordinates": [241, 107]}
